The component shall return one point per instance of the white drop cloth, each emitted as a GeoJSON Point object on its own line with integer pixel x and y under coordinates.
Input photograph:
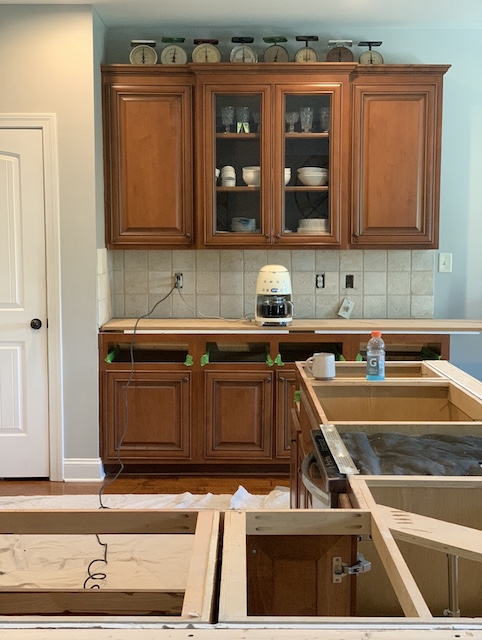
{"type": "Point", "coordinates": [135, 561]}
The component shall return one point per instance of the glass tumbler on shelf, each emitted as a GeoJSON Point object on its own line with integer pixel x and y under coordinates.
{"type": "Point", "coordinates": [325, 118]}
{"type": "Point", "coordinates": [242, 119]}
{"type": "Point", "coordinates": [291, 118]}
{"type": "Point", "coordinates": [227, 117]}
{"type": "Point", "coordinates": [257, 121]}
{"type": "Point", "coordinates": [306, 119]}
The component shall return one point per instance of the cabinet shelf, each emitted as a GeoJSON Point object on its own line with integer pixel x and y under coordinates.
{"type": "Point", "coordinates": [240, 188]}
{"type": "Point", "coordinates": [306, 188]}
{"type": "Point", "coordinates": [310, 134]}
{"type": "Point", "coordinates": [237, 136]}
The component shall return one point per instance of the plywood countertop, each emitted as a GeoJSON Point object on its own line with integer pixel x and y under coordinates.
{"type": "Point", "coordinates": [335, 325]}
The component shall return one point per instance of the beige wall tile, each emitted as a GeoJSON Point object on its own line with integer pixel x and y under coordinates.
{"type": "Point", "coordinates": [222, 283]}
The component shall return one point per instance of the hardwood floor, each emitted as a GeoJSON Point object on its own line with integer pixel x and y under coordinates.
{"type": "Point", "coordinates": [143, 484]}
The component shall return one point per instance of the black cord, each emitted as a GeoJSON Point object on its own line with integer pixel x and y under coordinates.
{"type": "Point", "coordinates": [100, 575]}
{"type": "Point", "coordinates": [126, 404]}
{"type": "Point", "coordinates": [96, 575]}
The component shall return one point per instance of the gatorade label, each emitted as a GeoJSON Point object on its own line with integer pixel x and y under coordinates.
{"type": "Point", "coordinates": [375, 366]}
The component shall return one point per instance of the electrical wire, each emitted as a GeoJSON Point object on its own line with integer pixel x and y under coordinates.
{"type": "Point", "coordinates": [126, 403]}
{"type": "Point", "coordinates": [95, 577]}
{"type": "Point", "coordinates": [204, 317]}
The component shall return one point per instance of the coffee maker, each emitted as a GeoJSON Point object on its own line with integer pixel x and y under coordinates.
{"type": "Point", "coordinates": [273, 296]}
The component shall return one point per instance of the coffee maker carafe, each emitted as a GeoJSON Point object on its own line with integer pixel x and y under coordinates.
{"type": "Point", "coordinates": [273, 296]}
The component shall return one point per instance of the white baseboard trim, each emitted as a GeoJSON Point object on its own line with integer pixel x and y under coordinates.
{"type": "Point", "coordinates": [83, 470]}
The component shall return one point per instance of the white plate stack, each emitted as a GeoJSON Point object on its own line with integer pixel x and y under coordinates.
{"type": "Point", "coordinates": [313, 226]}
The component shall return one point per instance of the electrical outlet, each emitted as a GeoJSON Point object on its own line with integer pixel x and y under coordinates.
{"type": "Point", "coordinates": [178, 280]}
{"type": "Point", "coordinates": [346, 308]}
{"type": "Point", "coordinates": [320, 280]}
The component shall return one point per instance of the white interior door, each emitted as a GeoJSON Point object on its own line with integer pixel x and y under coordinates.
{"type": "Point", "coordinates": [24, 416]}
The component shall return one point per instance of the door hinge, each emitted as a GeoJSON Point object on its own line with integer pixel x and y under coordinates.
{"type": "Point", "coordinates": [341, 569]}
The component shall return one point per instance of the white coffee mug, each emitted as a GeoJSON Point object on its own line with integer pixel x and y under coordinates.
{"type": "Point", "coordinates": [321, 366]}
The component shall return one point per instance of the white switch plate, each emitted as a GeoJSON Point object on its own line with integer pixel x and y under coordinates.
{"type": "Point", "coordinates": [346, 308]}
{"type": "Point", "coordinates": [445, 262]}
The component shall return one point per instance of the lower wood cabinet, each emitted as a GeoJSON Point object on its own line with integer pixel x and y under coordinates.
{"type": "Point", "coordinates": [222, 404]}
{"type": "Point", "coordinates": [147, 416]}
{"type": "Point", "coordinates": [239, 415]}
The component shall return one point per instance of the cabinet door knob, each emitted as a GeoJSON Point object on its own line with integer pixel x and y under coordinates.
{"type": "Point", "coordinates": [278, 236]}
{"type": "Point", "coordinates": [268, 379]}
{"type": "Point", "coordinates": [185, 379]}
{"type": "Point", "coordinates": [266, 235]}
{"type": "Point", "coordinates": [36, 324]}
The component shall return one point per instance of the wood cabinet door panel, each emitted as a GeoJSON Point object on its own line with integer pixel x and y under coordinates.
{"type": "Point", "coordinates": [238, 415]}
{"type": "Point", "coordinates": [285, 389]}
{"type": "Point", "coordinates": [149, 166]}
{"type": "Point", "coordinates": [395, 166]}
{"type": "Point", "coordinates": [292, 575]}
{"type": "Point", "coordinates": [150, 417]}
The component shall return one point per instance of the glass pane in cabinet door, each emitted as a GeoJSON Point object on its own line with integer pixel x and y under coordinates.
{"type": "Point", "coordinates": [307, 164]}
{"type": "Point", "coordinates": [238, 162]}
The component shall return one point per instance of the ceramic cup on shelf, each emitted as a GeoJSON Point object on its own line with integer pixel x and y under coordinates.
{"type": "Point", "coordinates": [228, 176]}
{"type": "Point", "coordinates": [321, 366]}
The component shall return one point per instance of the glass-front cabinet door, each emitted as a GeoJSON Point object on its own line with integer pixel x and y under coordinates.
{"type": "Point", "coordinates": [309, 158]}
{"type": "Point", "coordinates": [272, 162]}
{"type": "Point", "coordinates": [237, 207]}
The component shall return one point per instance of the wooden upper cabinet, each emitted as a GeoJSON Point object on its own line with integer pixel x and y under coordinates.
{"type": "Point", "coordinates": [380, 146]}
{"type": "Point", "coordinates": [396, 141]}
{"type": "Point", "coordinates": [148, 153]}
{"type": "Point", "coordinates": [279, 209]}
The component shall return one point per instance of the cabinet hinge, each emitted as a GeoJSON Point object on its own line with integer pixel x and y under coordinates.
{"type": "Point", "coordinates": [340, 569]}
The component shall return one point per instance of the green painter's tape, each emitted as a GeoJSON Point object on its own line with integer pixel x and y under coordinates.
{"type": "Point", "coordinates": [111, 356]}
{"type": "Point", "coordinates": [269, 360]}
{"type": "Point", "coordinates": [297, 396]}
{"type": "Point", "coordinates": [188, 361]}
{"type": "Point", "coordinates": [279, 361]}
{"type": "Point", "coordinates": [204, 359]}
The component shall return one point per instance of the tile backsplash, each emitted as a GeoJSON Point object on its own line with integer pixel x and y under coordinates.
{"type": "Point", "coordinates": [222, 283]}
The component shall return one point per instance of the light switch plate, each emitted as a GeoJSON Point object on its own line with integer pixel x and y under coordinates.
{"type": "Point", "coordinates": [346, 308]}
{"type": "Point", "coordinates": [445, 263]}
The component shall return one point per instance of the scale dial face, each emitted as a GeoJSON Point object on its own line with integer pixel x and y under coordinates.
{"type": "Point", "coordinates": [276, 53]}
{"type": "Point", "coordinates": [173, 54]}
{"type": "Point", "coordinates": [340, 54]}
{"type": "Point", "coordinates": [206, 52]}
{"type": "Point", "coordinates": [243, 53]}
{"type": "Point", "coordinates": [306, 54]}
{"type": "Point", "coordinates": [143, 54]}
{"type": "Point", "coordinates": [371, 57]}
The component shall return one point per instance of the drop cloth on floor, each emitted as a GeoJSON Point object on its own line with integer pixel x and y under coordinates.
{"type": "Point", "coordinates": [135, 561]}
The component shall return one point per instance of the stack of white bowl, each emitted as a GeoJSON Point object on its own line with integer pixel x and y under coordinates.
{"type": "Point", "coordinates": [313, 176]}
{"type": "Point", "coordinates": [313, 225]}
